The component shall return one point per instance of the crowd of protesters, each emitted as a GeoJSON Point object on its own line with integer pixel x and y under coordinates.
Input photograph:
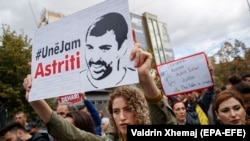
{"type": "Point", "coordinates": [129, 105]}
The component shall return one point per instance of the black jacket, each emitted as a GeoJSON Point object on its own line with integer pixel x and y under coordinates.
{"type": "Point", "coordinates": [39, 137]}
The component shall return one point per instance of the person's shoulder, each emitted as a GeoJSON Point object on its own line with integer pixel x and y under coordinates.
{"type": "Point", "coordinates": [111, 136]}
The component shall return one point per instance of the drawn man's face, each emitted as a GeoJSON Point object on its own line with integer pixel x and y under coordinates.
{"type": "Point", "coordinates": [101, 55]}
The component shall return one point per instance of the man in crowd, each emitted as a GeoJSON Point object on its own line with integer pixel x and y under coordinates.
{"type": "Point", "coordinates": [21, 117]}
{"type": "Point", "coordinates": [16, 132]}
{"type": "Point", "coordinates": [64, 108]}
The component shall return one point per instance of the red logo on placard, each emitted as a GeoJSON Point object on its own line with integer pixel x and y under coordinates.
{"type": "Point", "coordinates": [72, 98]}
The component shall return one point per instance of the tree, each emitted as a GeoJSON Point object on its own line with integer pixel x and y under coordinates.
{"type": "Point", "coordinates": [247, 58]}
{"type": "Point", "coordinates": [15, 53]}
{"type": "Point", "coordinates": [233, 59]}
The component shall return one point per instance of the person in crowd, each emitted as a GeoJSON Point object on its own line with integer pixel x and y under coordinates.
{"type": "Point", "coordinates": [16, 132]}
{"type": "Point", "coordinates": [180, 111]}
{"type": "Point", "coordinates": [21, 117]}
{"type": "Point", "coordinates": [210, 113]}
{"type": "Point", "coordinates": [105, 125]}
{"type": "Point", "coordinates": [90, 109]}
{"type": "Point", "coordinates": [64, 108]}
{"type": "Point", "coordinates": [246, 78]}
{"type": "Point", "coordinates": [178, 97]}
{"type": "Point", "coordinates": [127, 105]}
{"type": "Point", "coordinates": [32, 127]}
{"type": "Point", "coordinates": [197, 108]}
{"type": "Point", "coordinates": [236, 83]}
{"type": "Point", "coordinates": [101, 113]}
{"type": "Point", "coordinates": [243, 88]}
{"type": "Point", "coordinates": [226, 87]}
{"type": "Point", "coordinates": [244, 91]}
{"type": "Point", "coordinates": [81, 120]}
{"type": "Point", "coordinates": [122, 102]}
{"type": "Point", "coordinates": [234, 79]}
{"type": "Point", "coordinates": [229, 108]}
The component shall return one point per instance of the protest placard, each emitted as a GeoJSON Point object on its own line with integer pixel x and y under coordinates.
{"type": "Point", "coordinates": [85, 51]}
{"type": "Point", "coordinates": [185, 74]}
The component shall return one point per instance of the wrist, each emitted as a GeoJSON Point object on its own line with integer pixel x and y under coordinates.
{"type": "Point", "coordinates": [154, 99]}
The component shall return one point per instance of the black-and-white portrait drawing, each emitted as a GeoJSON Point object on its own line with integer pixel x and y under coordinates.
{"type": "Point", "coordinates": [104, 46]}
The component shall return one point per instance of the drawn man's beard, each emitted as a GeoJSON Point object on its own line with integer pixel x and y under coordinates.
{"type": "Point", "coordinates": [105, 72]}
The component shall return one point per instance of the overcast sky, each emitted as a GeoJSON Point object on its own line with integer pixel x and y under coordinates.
{"type": "Point", "coordinates": [193, 25]}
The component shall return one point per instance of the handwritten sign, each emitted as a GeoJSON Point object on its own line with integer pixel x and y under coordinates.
{"type": "Point", "coordinates": [81, 53]}
{"type": "Point", "coordinates": [185, 74]}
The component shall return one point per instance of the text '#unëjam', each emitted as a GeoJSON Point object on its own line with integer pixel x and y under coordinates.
{"type": "Point", "coordinates": [68, 63]}
{"type": "Point", "coordinates": [60, 48]}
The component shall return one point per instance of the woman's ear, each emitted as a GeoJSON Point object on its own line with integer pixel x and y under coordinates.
{"type": "Point", "coordinates": [218, 117]}
{"type": "Point", "coordinates": [19, 133]}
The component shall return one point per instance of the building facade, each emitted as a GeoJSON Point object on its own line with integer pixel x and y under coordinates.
{"type": "Point", "coordinates": [158, 39]}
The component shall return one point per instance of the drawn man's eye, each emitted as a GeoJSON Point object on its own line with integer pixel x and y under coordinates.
{"type": "Point", "coordinates": [105, 47]}
{"type": "Point", "coordinates": [89, 47]}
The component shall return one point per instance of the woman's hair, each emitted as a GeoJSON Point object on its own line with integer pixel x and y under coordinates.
{"type": "Point", "coordinates": [82, 120]}
{"type": "Point", "coordinates": [134, 99]}
{"type": "Point", "coordinates": [175, 102]}
{"type": "Point", "coordinates": [225, 95]}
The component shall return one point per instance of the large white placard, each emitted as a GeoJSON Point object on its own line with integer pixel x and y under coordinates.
{"type": "Point", "coordinates": [77, 53]}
